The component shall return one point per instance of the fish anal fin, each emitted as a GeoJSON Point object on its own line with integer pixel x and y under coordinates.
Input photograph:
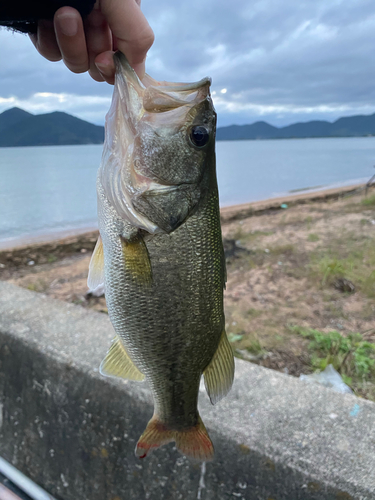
{"type": "Point", "coordinates": [137, 260]}
{"type": "Point", "coordinates": [219, 374]}
{"type": "Point", "coordinates": [117, 363]}
{"type": "Point", "coordinates": [194, 442]}
{"type": "Point", "coordinates": [96, 267]}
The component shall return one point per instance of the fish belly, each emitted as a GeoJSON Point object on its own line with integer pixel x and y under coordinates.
{"type": "Point", "coordinates": [170, 326]}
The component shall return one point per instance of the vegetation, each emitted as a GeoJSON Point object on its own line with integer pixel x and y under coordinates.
{"type": "Point", "coordinates": [352, 356]}
{"type": "Point", "coordinates": [369, 201]}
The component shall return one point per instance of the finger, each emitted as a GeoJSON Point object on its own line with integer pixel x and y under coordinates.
{"type": "Point", "coordinates": [98, 40]}
{"type": "Point", "coordinates": [71, 39]}
{"type": "Point", "coordinates": [133, 34]}
{"type": "Point", "coordinates": [105, 64]}
{"type": "Point", "coordinates": [45, 41]}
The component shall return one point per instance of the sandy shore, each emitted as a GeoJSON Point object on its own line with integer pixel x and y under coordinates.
{"type": "Point", "coordinates": [228, 214]}
{"type": "Point", "coordinates": [235, 212]}
{"type": "Point", "coordinates": [26, 241]}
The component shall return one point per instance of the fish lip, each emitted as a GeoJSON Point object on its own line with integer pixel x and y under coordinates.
{"type": "Point", "coordinates": [122, 65]}
{"type": "Point", "coordinates": [184, 87]}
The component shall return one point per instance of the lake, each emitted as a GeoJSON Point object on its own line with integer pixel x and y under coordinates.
{"type": "Point", "coordinates": [52, 188]}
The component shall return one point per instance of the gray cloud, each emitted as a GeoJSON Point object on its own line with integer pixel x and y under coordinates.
{"type": "Point", "coordinates": [279, 61]}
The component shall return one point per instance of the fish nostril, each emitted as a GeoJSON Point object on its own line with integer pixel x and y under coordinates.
{"type": "Point", "coordinates": [174, 222]}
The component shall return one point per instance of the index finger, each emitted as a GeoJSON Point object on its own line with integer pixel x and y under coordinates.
{"type": "Point", "coordinates": [129, 26]}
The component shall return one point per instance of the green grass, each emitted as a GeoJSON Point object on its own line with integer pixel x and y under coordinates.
{"type": "Point", "coordinates": [287, 249]}
{"type": "Point", "coordinates": [369, 201]}
{"type": "Point", "coordinates": [250, 236]}
{"type": "Point", "coordinates": [348, 257]}
{"type": "Point", "coordinates": [313, 237]}
{"type": "Point", "coordinates": [254, 313]}
{"type": "Point", "coordinates": [255, 347]}
{"type": "Point", "coordinates": [352, 356]}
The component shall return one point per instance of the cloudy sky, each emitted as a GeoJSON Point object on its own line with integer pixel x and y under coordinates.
{"type": "Point", "coordinates": [278, 61]}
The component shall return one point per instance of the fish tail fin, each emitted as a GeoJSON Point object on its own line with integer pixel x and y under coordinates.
{"type": "Point", "coordinates": [156, 434]}
{"type": "Point", "coordinates": [194, 442]}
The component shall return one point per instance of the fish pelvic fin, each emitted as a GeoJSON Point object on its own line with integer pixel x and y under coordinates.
{"type": "Point", "coordinates": [95, 278]}
{"type": "Point", "coordinates": [194, 442]}
{"type": "Point", "coordinates": [137, 260]}
{"type": "Point", "coordinates": [219, 374]}
{"type": "Point", "coordinates": [117, 363]}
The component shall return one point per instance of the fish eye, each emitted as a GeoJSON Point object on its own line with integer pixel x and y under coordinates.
{"type": "Point", "coordinates": [199, 136]}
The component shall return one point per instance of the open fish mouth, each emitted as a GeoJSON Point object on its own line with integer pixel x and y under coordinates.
{"type": "Point", "coordinates": [148, 120]}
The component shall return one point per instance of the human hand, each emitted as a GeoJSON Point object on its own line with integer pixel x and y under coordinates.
{"type": "Point", "coordinates": [88, 45]}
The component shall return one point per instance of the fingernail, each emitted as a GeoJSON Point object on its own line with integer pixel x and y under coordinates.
{"type": "Point", "coordinates": [68, 25]}
{"type": "Point", "coordinates": [103, 68]}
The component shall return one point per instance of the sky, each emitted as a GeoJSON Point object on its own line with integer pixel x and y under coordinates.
{"type": "Point", "coordinates": [278, 61]}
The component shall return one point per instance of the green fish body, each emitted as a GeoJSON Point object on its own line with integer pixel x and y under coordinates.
{"type": "Point", "coordinates": [160, 255]}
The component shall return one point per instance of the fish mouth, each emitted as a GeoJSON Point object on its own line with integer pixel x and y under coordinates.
{"type": "Point", "coordinates": [139, 108]}
{"type": "Point", "coordinates": [158, 97]}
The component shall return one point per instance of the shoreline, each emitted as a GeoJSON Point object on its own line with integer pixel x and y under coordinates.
{"type": "Point", "coordinates": [228, 214]}
{"type": "Point", "coordinates": [243, 210]}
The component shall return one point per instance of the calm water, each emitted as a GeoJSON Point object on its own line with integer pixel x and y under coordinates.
{"type": "Point", "coordinates": [51, 189]}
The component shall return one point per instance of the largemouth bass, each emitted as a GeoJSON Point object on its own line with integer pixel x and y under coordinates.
{"type": "Point", "coordinates": [160, 253]}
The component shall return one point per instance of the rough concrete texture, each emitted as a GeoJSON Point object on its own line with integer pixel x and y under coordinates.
{"type": "Point", "coordinates": [74, 432]}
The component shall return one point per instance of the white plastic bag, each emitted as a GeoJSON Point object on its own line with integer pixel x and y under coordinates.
{"type": "Point", "coordinates": [329, 378]}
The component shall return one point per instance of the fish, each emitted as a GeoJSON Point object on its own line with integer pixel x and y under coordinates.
{"type": "Point", "coordinates": [160, 254]}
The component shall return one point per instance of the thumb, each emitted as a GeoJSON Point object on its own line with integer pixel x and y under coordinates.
{"type": "Point", "coordinates": [131, 30]}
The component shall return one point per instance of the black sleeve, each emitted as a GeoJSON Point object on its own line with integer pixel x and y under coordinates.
{"type": "Point", "coordinates": [23, 15]}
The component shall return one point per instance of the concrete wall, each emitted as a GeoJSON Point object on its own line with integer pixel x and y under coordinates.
{"type": "Point", "coordinates": [74, 432]}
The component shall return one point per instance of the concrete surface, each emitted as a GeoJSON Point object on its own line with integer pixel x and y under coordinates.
{"type": "Point", "coordinates": [73, 432]}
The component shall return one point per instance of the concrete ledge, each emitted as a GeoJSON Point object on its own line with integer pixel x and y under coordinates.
{"type": "Point", "coordinates": [74, 432]}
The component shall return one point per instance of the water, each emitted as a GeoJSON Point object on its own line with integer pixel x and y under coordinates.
{"type": "Point", "coordinates": [51, 189]}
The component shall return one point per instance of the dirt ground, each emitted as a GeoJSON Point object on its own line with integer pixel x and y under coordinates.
{"type": "Point", "coordinates": [308, 265]}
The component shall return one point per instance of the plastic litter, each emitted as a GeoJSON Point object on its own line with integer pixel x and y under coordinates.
{"type": "Point", "coordinates": [329, 378]}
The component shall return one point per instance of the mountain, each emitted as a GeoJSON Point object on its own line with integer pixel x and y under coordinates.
{"type": "Point", "coordinates": [19, 128]}
{"type": "Point", "coordinates": [12, 116]}
{"type": "Point", "coordinates": [350, 126]}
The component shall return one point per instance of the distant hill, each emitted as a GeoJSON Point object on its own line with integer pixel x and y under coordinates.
{"type": "Point", "coordinates": [350, 126]}
{"type": "Point", "coordinates": [19, 128]}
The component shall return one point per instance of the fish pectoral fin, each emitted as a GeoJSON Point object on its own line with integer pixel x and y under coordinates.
{"type": "Point", "coordinates": [117, 363]}
{"type": "Point", "coordinates": [95, 278]}
{"type": "Point", "coordinates": [137, 260]}
{"type": "Point", "coordinates": [219, 374]}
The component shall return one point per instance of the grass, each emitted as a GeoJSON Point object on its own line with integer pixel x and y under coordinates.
{"type": "Point", "coordinates": [352, 356]}
{"type": "Point", "coordinates": [254, 313]}
{"type": "Point", "coordinates": [313, 237]}
{"type": "Point", "coordinates": [347, 257]}
{"type": "Point", "coordinates": [37, 286]}
{"type": "Point", "coordinates": [240, 235]}
{"type": "Point", "coordinates": [287, 249]}
{"type": "Point", "coordinates": [369, 201]}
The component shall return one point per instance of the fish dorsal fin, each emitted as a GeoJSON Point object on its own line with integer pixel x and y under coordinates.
{"type": "Point", "coordinates": [219, 374]}
{"type": "Point", "coordinates": [118, 364]}
{"type": "Point", "coordinates": [96, 267]}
